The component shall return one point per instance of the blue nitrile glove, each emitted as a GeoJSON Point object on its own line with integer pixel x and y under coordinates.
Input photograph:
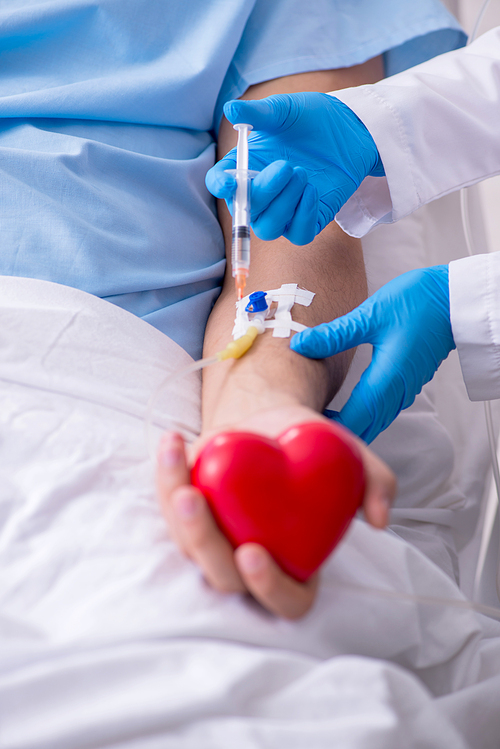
{"type": "Point", "coordinates": [408, 323]}
{"type": "Point", "coordinates": [312, 153]}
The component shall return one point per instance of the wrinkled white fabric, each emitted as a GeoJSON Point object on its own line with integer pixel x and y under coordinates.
{"type": "Point", "coordinates": [110, 638]}
{"type": "Point", "coordinates": [475, 320]}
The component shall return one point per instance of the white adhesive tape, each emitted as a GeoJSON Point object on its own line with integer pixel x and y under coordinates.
{"type": "Point", "coordinates": [280, 321]}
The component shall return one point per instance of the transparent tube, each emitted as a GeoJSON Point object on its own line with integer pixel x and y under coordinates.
{"type": "Point", "coordinates": [240, 241]}
{"type": "Point", "coordinates": [451, 603]}
{"type": "Point", "coordinates": [234, 350]}
{"type": "Point", "coordinates": [168, 380]}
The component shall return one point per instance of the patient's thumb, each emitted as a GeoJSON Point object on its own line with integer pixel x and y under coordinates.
{"type": "Point", "coordinates": [269, 114]}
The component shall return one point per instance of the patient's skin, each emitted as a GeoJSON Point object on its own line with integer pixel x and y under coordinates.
{"type": "Point", "coordinates": [271, 387]}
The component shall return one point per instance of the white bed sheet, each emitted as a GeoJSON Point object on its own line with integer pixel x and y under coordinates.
{"type": "Point", "coordinates": [110, 638]}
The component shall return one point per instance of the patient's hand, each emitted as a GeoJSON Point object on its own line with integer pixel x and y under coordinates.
{"type": "Point", "coordinates": [250, 568]}
{"type": "Point", "coordinates": [271, 388]}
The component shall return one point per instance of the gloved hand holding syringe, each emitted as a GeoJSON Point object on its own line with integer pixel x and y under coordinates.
{"type": "Point", "coordinates": [240, 242]}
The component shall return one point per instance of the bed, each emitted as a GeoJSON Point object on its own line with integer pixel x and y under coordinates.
{"type": "Point", "coordinates": [110, 638]}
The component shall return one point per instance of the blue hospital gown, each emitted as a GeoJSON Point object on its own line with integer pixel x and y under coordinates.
{"type": "Point", "coordinates": [108, 117]}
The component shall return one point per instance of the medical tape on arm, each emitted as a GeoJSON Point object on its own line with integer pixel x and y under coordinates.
{"type": "Point", "coordinates": [279, 320]}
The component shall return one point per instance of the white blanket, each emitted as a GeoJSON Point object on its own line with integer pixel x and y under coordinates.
{"type": "Point", "coordinates": [110, 638]}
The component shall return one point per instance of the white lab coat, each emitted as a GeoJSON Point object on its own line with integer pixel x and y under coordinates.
{"type": "Point", "coordinates": [437, 128]}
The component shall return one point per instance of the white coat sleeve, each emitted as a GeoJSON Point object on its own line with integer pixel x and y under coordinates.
{"type": "Point", "coordinates": [475, 322]}
{"type": "Point", "coordinates": [436, 127]}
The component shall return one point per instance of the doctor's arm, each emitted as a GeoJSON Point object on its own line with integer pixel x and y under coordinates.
{"type": "Point", "coordinates": [408, 323]}
{"type": "Point", "coordinates": [429, 131]}
{"type": "Point", "coordinates": [435, 130]}
{"type": "Point", "coordinates": [268, 390]}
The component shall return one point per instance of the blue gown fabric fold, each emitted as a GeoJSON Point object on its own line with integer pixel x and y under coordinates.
{"type": "Point", "coordinates": [109, 111]}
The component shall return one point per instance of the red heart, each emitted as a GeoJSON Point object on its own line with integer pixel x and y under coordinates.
{"type": "Point", "coordinates": [295, 495]}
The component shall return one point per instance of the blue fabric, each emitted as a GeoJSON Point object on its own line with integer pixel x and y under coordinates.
{"type": "Point", "coordinates": [108, 110]}
{"type": "Point", "coordinates": [422, 48]}
{"type": "Point", "coordinates": [338, 34]}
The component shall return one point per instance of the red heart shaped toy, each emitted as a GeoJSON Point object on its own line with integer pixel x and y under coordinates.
{"type": "Point", "coordinates": [295, 495]}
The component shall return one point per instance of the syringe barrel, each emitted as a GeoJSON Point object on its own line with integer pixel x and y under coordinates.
{"type": "Point", "coordinates": [240, 249]}
{"type": "Point", "coordinates": [241, 200]}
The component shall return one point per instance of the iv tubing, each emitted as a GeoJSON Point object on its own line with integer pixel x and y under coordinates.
{"type": "Point", "coordinates": [456, 603]}
{"type": "Point", "coordinates": [234, 350]}
{"type": "Point", "coordinates": [240, 243]}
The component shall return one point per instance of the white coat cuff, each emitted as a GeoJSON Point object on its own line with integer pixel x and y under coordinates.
{"type": "Point", "coordinates": [475, 322]}
{"type": "Point", "coordinates": [379, 200]}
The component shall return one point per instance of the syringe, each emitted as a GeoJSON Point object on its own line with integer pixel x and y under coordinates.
{"type": "Point", "coordinates": [240, 245]}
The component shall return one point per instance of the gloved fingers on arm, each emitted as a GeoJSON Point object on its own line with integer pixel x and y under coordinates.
{"type": "Point", "coordinates": [273, 221]}
{"type": "Point", "coordinates": [331, 338]}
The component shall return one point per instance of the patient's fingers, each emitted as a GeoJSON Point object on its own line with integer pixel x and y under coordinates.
{"type": "Point", "coordinates": [172, 465]}
{"type": "Point", "coordinates": [189, 519]}
{"type": "Point", "coordinates": [203, 542]}
{"type": "Point", "coordinates": [276, 591]}
{"type": "Point", "coordinates": [381, 486]}
{"type": "Point", "coordinates": [172, 472]}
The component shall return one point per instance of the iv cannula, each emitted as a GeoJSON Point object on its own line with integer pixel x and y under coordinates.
{"type": "Point", "coordinates": [240, 243]}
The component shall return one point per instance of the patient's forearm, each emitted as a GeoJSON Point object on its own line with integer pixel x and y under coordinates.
{"type": "Point", "coordinates": [271, 375]}
{"type": "Point", "coordinates": [270, 388]}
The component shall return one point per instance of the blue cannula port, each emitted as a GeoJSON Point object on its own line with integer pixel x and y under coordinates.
{"type": "Point", "coordinates": [257, 302]}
